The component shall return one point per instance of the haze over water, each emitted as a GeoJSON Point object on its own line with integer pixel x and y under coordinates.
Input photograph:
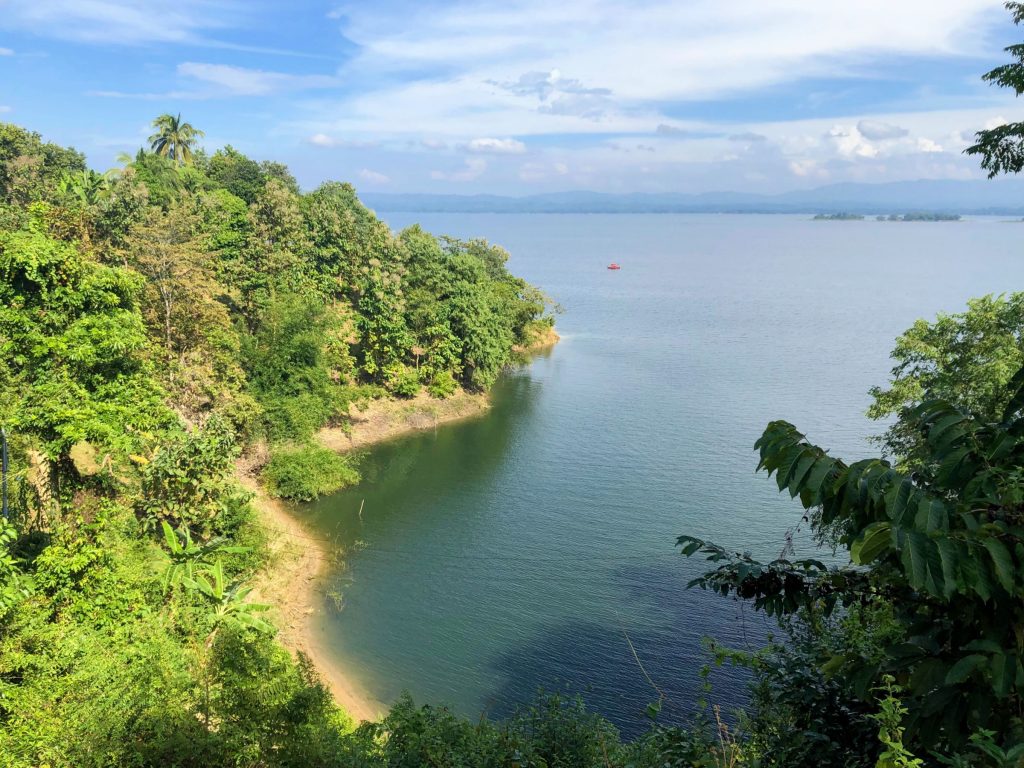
{"type": "Point", "coordinates": [520, 550]}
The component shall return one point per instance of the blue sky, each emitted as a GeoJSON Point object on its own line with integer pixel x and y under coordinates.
{"type": "Point", "coordinates": [524, 96]}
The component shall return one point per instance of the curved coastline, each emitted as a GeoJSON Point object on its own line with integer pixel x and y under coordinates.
{"type": "Point", "coordinates": [293, 581]}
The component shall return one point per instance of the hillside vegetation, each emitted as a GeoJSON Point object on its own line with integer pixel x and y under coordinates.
{"type": "Point", "coordinates": [160, 320]}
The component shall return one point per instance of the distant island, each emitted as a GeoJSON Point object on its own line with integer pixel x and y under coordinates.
{"type": "Point", "coordinates": [838, 217]}
{"type": "Point", "coordinates": [921, 217]}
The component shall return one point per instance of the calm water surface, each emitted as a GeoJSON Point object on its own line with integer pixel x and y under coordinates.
{"type": "Point", "coordinates": [521, 550]}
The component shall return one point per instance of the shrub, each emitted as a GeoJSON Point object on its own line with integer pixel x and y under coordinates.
{"type": "Point", "coordinates": [405, 382]}
{"type": "Point", "coordinates": [442, 385]}
{"type": "Point", "coordinates": [307, 472]}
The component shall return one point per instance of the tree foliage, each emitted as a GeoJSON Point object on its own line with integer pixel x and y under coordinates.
{"type": "Point", "coordinates": [1001, 148]}
{"type": "Point", "coordinates": [943, 546]}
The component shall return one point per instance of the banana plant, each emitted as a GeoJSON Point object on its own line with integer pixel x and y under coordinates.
{"type": "Point", "coordinates": [229, 604]}
{"type": "Point", "coordinates": [185, 555]}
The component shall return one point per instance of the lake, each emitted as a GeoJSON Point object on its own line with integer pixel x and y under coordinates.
{"type": "Point", "coordinates": [533, 548]}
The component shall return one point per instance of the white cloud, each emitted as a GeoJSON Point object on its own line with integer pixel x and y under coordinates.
{"type": "Point", "coordinates": [850, 143]}
{"type": "Point", "coordinates": [876, 130]}
{"type": "Point", "coordinates": [748, 138]}
{"type": "Point", "coordinates": [321, 140]}
{"type": "Point", "coordinates": [6, 51]}
{"type": "Point", "coordinates": [434, 144]}
{"type": "Point", "coordinates": [658, 50]}
{"type": "Point", "coordinates": [806, 169]}
{"type": "Point", "coordinates": [138, 22]}
{"type": "Point", "coordinates": [239, 81]}
{"type": "Point", "coordinates": [473, 169]}
{"type": "Point", "coordinates": [373, 177]}
{"type": "Point", "coordinates": [559, 95]}
{"type": "Point", "coordinates": [496, 146]}
{"type": "Point", "coordinates": [995, 122]}
{"type": "Point", "coordinates": [331, 142]}
{"type": "Point", "coordinates": [928, 146]}
{"type": "Point", "coordinates": [110, 21]}
{"type": "Point", "coordinates": [4, 109]}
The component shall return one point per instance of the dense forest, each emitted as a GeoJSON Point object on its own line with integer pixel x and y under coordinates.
{"type": "Point", "coordinates": [161, 320]}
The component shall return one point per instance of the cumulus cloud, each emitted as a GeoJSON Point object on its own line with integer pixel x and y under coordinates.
{"type": "Point", "coordinates": [6, 52]}
{"type": "Point", "coordinates": [850, 143]}
{"type": "Point", "coordinates": [876, 130]}
{"type": "Point", "coordinates": [928, 146]}
{"type": "Point", "coordinates": [434, 144]}
{"type": "Point", "coordinates": [472, 170]}
{"type": "Point", "coordinates": [489, 146]}
{"type": "Point", "coordinates": [995, 122]}
{"type": "Point", "coordinates": [373, 177]}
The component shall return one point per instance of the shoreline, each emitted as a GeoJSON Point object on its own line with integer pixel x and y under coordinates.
{"type": "Point", "coordinates": [292, 581]}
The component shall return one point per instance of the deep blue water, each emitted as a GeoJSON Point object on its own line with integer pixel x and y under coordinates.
{"type": "Point", "coordinates": [521, 550]}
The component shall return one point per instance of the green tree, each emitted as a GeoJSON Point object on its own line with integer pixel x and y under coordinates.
{"type": "Point", "coordinates": [965, 358]}
{"type": "Point", "coordinates": [1002, 148]}
{"type": "Point", "coordinates": [231, 170]}
{"type": "Point", "coordinates": [945, 549]}
{"type": "Point", "coordinates": [75, 345]}
{"type": "Point", "coordinates": [174, 139]}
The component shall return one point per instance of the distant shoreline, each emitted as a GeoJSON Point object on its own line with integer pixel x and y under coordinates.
{"type": "Point", "coordinates": [967, 198]}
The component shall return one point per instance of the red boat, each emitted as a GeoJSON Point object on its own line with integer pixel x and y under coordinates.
{"type": "Point", "coordinates": [613, 265]}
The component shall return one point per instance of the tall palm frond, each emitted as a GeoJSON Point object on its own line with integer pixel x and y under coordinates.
{"type": "Point", "coordinates": [174, 139]}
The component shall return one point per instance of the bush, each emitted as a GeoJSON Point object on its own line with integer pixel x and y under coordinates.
{"type": "Point", "coordinates": [307, 472]}
{"type": "Point", "coordinates": [442, 385]}
{"type": "Point", "coordinates": [405, 382]}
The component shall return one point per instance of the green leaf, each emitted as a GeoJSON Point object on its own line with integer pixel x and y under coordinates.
{"type": "Point", "coordinates": [949, 557]}
{"type": "Point", "coordinates": [1001, 561]}
{"type": "Point", "coordinates": [818, 475]}
{"type": "Point", "coordinates": [800, 472]}
{"type": "Point", "coordinates": [1004, 673]}
{"type": "Point", "coordinates": [931, 516]}
{"type": "Point", "coordinates": [915, 561]}
{"type": "Point", "coordinates": [960, 671]}
{"type": "Point", "coordinates": [899, 499]}
{"type": "Point", "coordinates": [872, 542]}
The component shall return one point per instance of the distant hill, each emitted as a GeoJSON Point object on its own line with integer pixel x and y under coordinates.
{"type": "Point", "coordinates": [1003, 197]}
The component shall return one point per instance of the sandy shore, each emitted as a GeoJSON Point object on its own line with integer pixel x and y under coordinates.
{"type": "Point", "coordinates": [292, 582]}
{"type": "Point", "coordinates": [386, 419]}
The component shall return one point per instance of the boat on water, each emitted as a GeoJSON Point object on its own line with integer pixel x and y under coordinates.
{"type": "Point", "coordinates": [613, 265]}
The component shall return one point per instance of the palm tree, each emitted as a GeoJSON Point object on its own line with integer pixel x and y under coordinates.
{"type": "Point", "coordinates": [174, 139]}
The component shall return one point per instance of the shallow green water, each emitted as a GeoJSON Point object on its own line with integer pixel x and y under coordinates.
{"type": "Point", "coordinates": [519, 550]}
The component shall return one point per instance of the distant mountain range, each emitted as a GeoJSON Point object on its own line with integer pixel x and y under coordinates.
{"type": "Point", "coordinates": [1003, 197]}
